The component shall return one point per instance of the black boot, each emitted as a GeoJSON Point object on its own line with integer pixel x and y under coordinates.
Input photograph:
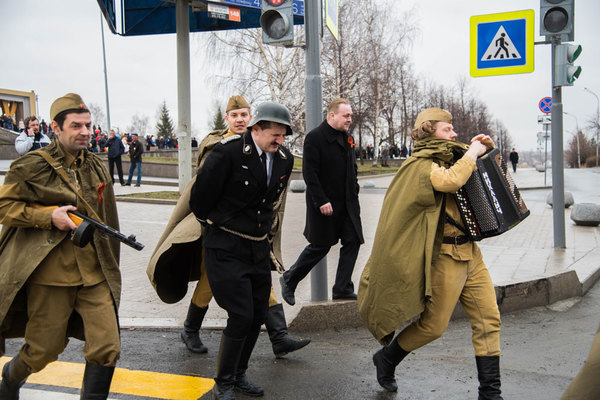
{"type": "Point", "coordinates": [385, 361]}
{"type": "Point", "coordinates": [242, 383]}
{"type": "Point", "coordinates": [14, 375]}
{"type": "Point", "coordinates": [191, 329]}
{"type": "Point", "coordinates": [229, 356]}
{"type": "Point", "coordinates": [278, 333]}
{"type": "Point", "coordinates": [96, 382]}
{"type": "Point", "coordinates": [488, 373]}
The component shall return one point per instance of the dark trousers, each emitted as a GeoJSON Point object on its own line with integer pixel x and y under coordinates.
{"type": "Point", "coordinates": [313, 253]}
{"type": "Point", "coordinates": [514, 165]}
{"type": "Point", "coordinates": [111, 168]}
{"type": "Point", "coordinates": [240, 287]}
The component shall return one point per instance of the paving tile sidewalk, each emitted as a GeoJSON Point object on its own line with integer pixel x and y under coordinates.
{"type": "Point", "coordinates": [525, 267]}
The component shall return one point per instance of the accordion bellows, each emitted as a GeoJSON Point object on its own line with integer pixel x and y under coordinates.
{"type": "Point", "coordinates": [490, 203]}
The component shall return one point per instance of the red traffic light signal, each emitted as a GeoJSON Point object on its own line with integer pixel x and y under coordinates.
{"type": "Point", "coordinates": [274, 3]}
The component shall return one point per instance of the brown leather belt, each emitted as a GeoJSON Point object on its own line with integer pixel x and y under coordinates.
{"type": "Point", "coordinates": [457, 240]}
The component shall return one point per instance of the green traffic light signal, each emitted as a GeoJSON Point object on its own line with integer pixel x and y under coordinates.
{"type": "Point", "coordinates": [565, 73]}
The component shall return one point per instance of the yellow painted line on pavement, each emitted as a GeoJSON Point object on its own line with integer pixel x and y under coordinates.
{"type": "Point", "coordinates": [155, 385]}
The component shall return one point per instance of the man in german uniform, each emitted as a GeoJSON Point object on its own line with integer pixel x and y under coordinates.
{"type": "Point", "coordinates": [51, 289]}
{"type": "Point", "coordinates": [234, 197]}
{"type": "Point", "coordinates": [178, 258]}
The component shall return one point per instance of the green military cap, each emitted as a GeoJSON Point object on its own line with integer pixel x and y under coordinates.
{"type": "Point", "coordinates": [69, 101]}
{"type": "Point", "coordinates": [236, 102]}
{"type": "Point", "coordinates": [433, 114]}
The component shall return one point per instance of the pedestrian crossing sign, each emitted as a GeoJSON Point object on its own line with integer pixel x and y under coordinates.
{"type": "Point", "coordinates": [502, 43]}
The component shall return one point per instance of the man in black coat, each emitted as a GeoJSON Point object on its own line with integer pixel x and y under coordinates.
{"type": "Point", "coordinates": [115, 149]}
{"type": "Point", "coordinates": [135, 159]}
{"type": "Point", "coordinates": [332, 207]}
{"type": "Point", "coordinates": [234, 197]}
{"type": "Point", "coordinates": [514, 159]}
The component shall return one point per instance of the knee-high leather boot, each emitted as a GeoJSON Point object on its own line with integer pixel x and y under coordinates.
{"type": "Point", "coordinates": [96, 382]}
{"type": "Point", "coordinates": [229, 356]}
{"type": "Point", "coordinates": [191, 329]}
{"type": "Point", "coordinates": [386, 360]}
{"type": "Point", "coordinates": [14, 375]}
{"type": "Point", "coordinates": [242, 383]}
{"type": "Point", "coordinates": [488, 373]}
{"type": "Point", "coordinates": [278, 333]}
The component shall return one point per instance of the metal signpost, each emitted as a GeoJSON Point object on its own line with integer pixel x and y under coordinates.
{"type": "Point", "coordinates": [545, 106]}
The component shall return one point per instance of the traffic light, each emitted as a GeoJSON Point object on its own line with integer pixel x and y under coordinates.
{"type": "Point", "coordinates": [565, 73]}
{"type": "Point", "coordinates": [557, 18]}
{"type": "Point", "coordinates": [277, 22]}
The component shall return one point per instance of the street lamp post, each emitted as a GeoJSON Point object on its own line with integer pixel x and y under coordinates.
{"type": "Point", "coordinates": [597, 121]}
{"type": "Point", "coordinates": [576, 137]}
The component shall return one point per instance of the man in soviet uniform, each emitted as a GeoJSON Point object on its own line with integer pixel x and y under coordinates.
{"type": "Point", "coordinates": [51, 289]}
{"type": "Point", "coordinates": [423, 263]}
{"type": "Point", "coordinates": [179, 251]}
{"type": "Point", "coordinates": [235, 197]}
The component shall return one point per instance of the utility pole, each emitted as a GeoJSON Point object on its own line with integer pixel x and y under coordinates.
{"type": "Point", "coordinates": [184, 120]}
{"type": "Point", "coordinates": [105, 74]}
{"type": "Point", "coordinates": [314, 116]}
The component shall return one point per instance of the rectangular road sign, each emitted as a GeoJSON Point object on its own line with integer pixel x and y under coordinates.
{"type": "Point", "coordinates": [502, 43]}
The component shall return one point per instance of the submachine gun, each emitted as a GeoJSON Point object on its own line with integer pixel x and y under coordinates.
{"type": "Point", "coordinates": [86, 227]}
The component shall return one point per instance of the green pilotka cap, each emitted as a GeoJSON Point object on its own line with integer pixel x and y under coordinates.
{"type": "Point", "coordinates": [69, 101]}
{"type": "Point", "coordinates": [433, 114]}
{"type": "Point", "coordinates": [236, 102]}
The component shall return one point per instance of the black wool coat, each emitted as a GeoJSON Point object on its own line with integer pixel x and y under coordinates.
{"type": "Point", "coordinates": [329, 170]}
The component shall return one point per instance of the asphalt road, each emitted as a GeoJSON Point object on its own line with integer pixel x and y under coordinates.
{"type": "Point", "coordinates": [543, 348]}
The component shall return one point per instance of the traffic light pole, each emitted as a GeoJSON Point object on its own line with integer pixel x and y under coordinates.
{"type": "Point", "coordinates": [184, 119]}
{"type": "Point", "coordinates": [314, 115]}
{"type": "Point", "coordinates": [558, 176]}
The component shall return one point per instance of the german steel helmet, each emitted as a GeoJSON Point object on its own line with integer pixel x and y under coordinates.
{"type": "Point", "coordinates": [274, 112]}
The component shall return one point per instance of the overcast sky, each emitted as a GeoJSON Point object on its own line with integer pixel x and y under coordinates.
{"type": "Point", "coordinates": [55, 47]}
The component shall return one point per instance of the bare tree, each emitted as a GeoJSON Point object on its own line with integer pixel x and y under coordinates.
{"type": "Point", "coordinates": [98, 116]}
{"type": "Point", "coordinates": [139, 124]}
{"type": "Point", "coordinates": [260, 72]}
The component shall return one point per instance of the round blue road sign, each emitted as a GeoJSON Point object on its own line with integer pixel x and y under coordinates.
{"type": "Point", "coordinates": [546, 105]}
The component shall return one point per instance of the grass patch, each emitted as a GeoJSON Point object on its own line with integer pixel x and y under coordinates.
{"type": "Point", "coordinates": [363, 169]}
{"type": "Point", "coordinates": [163, 195]}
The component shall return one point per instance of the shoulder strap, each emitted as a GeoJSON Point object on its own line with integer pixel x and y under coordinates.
{"type": "Point", "coordinates": [58, 168]}
{"type": "Point", "coordinates": [453, 222]}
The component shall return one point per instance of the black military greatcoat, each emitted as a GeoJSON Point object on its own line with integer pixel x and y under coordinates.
{"type": "Point", "coordinates": [329, 170]}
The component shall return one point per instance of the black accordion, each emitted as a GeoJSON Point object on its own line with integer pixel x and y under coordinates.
{"type": "Point", "coordinates": [490, 203]}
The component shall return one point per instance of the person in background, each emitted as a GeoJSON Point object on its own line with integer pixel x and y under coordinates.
{"type": "Point", "coordinates": [31, 138]}
{"type": "Point", "coordinates": [136, 149]}
{"type": "Point", "coordinates": [115, 149]}
{"type": "Point", "coordinates": [514, 159]}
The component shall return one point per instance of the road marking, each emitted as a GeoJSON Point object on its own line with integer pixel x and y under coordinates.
{"type": "Point", "coordinates": [147, 384]}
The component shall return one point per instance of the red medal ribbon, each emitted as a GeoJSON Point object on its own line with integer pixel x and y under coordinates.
{"type": "Point", "coordinates": [351, 141]}
{"type": "Point", "coordinates": [101, 192]}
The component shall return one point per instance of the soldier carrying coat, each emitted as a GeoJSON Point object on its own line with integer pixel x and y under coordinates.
{"type": "Point", "coordinates": [177, 258]}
